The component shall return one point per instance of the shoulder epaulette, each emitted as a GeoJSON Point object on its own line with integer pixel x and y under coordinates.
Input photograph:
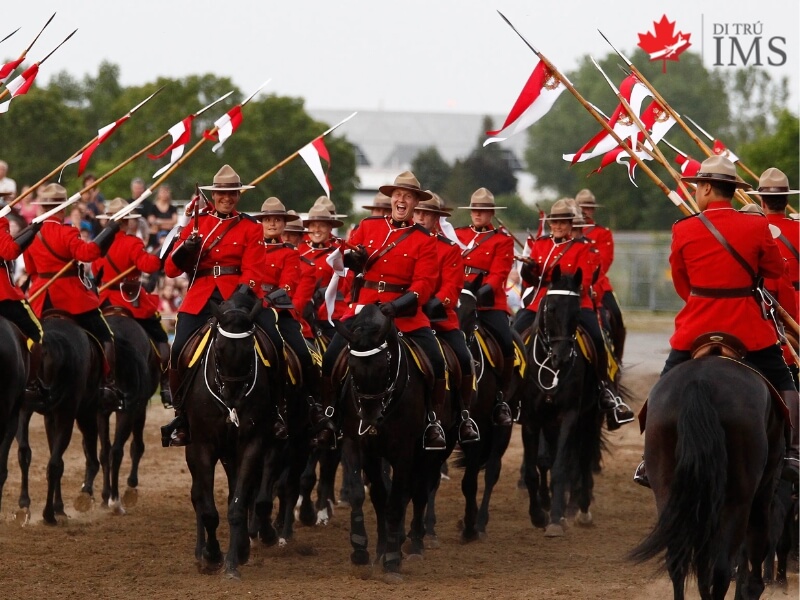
{"type": "Point", "coordinates": [372, 218]}
{"type": "Point", "coordinates": [289, 245]}
{"type": "Point", "coordinates": [307, 260]}
{"type": "Point", "coordinates": [445, 239]}
{"type": "Point", "coordinates": [421, 229]}
{"type": "Point", "coordinates": [248, 217]}
{"type": "Point", "coordinates": [684, 218]}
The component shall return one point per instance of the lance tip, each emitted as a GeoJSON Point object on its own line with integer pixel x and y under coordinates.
{"type": "Point", "coordinates": [622, 56]}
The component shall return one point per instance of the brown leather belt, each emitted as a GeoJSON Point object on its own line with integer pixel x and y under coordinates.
{"type": "Point", "coordinates": [702, 292]}
{"type": "Point", "coordinates": [71, 272]}
{"type": "Point", "coordinates": [218, 271]}
{"type": "Point", "coordinates": [382, 286]}
{"type": "Point", "coordinates": [474, 271]}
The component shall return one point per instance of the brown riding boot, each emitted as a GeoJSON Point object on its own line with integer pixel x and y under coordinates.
{"type": "Point", "coordinates": [468, 429]}
{"type": "Point", "coordinates": [176, 432]}
{"type": "Point", "coordinates": [502, 411]}
{"type": "Point", "coordinates": [163, 357]}
{"type": "Point", "coordinates": [617, 412]}
{"type": "Point", "coordinates": [433, 438]}
{"type": "Point", "coordinates": [320, 417]}
{"type": "Point", "coordinates": [791, 462]}
{"type": "Point", "coordinates": [113, 398]}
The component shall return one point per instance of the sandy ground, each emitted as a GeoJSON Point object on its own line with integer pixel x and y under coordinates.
{"type": "Point", "coordinates": [148, 553]}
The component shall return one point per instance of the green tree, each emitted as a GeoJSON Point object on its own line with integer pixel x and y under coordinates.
{"type": "Point", "coordinates": [431, 169]}
{"type": "Point", "coordinates": [779, 148]}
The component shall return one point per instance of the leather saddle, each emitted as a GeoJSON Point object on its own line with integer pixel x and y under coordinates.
{"type": "Point", "coordinates": [116, 311]}
{"type": "Point", "coordinates": [57, 313]}
{"type": "Point", "coordinates": [718, 343]}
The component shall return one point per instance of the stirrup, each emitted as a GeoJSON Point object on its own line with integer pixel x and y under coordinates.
{"type": "Point", "coordinates": [619, 406]}
{"type": "Point", "coordinates": [436, 425]}
{"type": "Point", "coordinates": [640, 476]}
{"type": "Point", "coordinates": [465, 418]}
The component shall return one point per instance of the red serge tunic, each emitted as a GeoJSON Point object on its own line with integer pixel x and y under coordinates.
{"type": "Point", "coordinates": [316, 273]}
{"type": "Point", "coordinates": [282, 267]}
{"type": "Point", "coordinates": [9, 251]}
{"type": "Point", "coordinates": [699, 260]}
{"type": "Point", "coordinates": [128, 251]}
{"type": "Point", "coordinates": [569, 255]}
{"type": "Point", "coordinates": [790, 232]}
{"type": "Point", "coordinates": [67, 292]}
{"type": "Point", "coordinates": [411, 263]}
{"type": "Point", "coordinates": [490, 251]}
{"type": "Point", "coordinates": [238, 245]}
{"type": "Point", "coordinates": [451, 281]}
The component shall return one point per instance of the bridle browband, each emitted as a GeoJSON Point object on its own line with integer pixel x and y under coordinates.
{"type": "Point", "coordinates": [384, 396]}
{"type": "Point", "coordinates": [545, 341]}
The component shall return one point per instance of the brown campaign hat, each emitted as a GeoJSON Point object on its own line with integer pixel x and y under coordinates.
{"type": "Point", "coordinates": [562, 210]}
{"type": "Point", "coordinates": [320, 213]}
{"type": "Point", "coordinates": [328, 204]}
{"type": "Point", "coordinates": [274, 207]}
{"type": "Point", "coordinates": [296, 224]}
{"type": "Point", "coordinates": [405, 181]}
{"type": "Point", "coordinates": [434, 204]}
{"type": "Point", "coordinates": [773, 182]}
{"type": "Point", "coordinates": [51, 195]}
{"type": "Point", "coordinates": [586, 198]}
{"type": "Point", "coordinates": [116, 205]}
{"type": "Point", "coordinates": [717, 168]}
{"type": "Point", "coordinates": [381, 201]}
{"type": "Point", "coordinates": [226, 179]}
{"type": "Point", "coordinates": [482, 199]}
{"type": "Point", "coordinates": [578, 221]}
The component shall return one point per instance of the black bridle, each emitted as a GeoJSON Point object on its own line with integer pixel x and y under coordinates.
{"type": "Point", "coordinates": [542, 340]}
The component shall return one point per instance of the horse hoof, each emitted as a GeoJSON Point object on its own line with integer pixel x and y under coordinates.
{"type": "Point", "coordinates": [22, 517]}
{"type": "Point", "coordinates": [204, 567]}
{"type": "Point", "coordinates": [323, 517]}
{"type": "Point", "coordinates": [131, 497]}
{"type": "Point", "coordinates": [482, 536]}
{"type": "Point", "coordinates": [392, 578]}
{"type": "Point", "coordinates": [359, 557]}
{"type": "Point", "coordinates": [361, 572]}
{"type": "Point", "coordinates": [432, 542]}
{"type": "Point", "coordinates": [460, 525]}
{"type": "Point", "coordinates": [116, 507]}
{"type": "Point", "coordinates": [282, 542]}
{"type": "Point", "coordinates": [554, 530]}
{"type": "Point", "coordinates": [584, 519]}
{"type": "Point", "coordinates": [84, 502]}
{"type": "Point", "coordinates": [233, 574]}
{"type": "Point", "coordinates": [414, 557]}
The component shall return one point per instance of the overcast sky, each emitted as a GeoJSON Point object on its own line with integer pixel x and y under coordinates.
{"type": "Point", "coordinates": [405, 55]}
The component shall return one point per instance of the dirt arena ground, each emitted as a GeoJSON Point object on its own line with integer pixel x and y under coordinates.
{"type": "Point", "coordinates": [148, 553]}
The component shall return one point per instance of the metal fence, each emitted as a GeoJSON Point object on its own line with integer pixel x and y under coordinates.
{"type": "Point", "coordinates": [640, 273]}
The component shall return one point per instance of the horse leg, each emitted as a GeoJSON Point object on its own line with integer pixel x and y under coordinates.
{"type": "Point", "coordinates": [122, 432]}
{"type": "Point", "coordinates": [246, 480]}
{"type": "Point", "coordinates": [358, 532]}
{"type": "Point", "coordinates": [561, 472]}
{"type": "Point", "coordinates": [326, 495]}
{"type": "Point", "coordinates": [392, 513]}
{"type": "Point", "coordinates": [137, 451]}
{"type": "Point", "coordinates": [501, 436]}
{"type": "Point", "coordinates": [5, 449]}
{"type": "Point", "coordinates": [308, 479]}
{"type": "Point", "coordinates": [757, 542]}
{"type": "Point", "coordinates": [530, 444]}
{"type": "Point", "coordinates": [201, 460]}
{"type": "Point", "coordinates": [24, 458]}
{"type": "Point", "coordinates": [469, 488]}
{"type": "Point", "coordinates": [298, 458]}
{"type": "Point", "coordinates": [423, 489]}
{"type": "Point", "coordinates": [59, 434]}
{"type": "Point", "coordinates": [430, 512]}
{"type": "Point", "coordinates": [88, 420]}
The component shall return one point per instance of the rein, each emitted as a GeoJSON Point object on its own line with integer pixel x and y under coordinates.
{"type": "Point", "coordinates": [385, 397]}
{"type": "Point", "coordinates": [544, 341]}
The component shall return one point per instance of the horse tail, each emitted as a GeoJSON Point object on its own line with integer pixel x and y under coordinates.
{"type": "Point", "coordinates": [135, 375]}
{"type": "Point", "coordinates": [67, 360]}
{"type": "Point", "coordinates": [688, 525]}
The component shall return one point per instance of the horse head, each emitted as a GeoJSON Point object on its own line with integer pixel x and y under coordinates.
{"type": "Point", "coordinates": [235, 358]}
{"type": "Point", "coordinates": [374, 362]}
{"type": "Point", "coordinates": [467, 309]}
{"type": "Point", "coordinates": [558, 316]}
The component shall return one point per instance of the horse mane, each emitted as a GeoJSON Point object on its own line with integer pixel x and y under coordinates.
{"type": "Point", "coordinates": [370, 327]}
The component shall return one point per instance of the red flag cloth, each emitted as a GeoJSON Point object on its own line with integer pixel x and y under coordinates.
{"type": "Point", "coordinates": [312, 153]}
{"type": "Point", "coordinates": [102, 135]}
{"type": "Point", "coordinates": [689, 168]}
{"type": "Point", "coordinates": [181, 133]}
{"type": "Point", "coordinates": [226, 125]}
{"type": "Point", "coordinates": [721, 150]}
{"type": "Point", "coordinates": [20, 85]}
{"type": "Point", "coordinates": [536, 99]}
{"type": "Point", "coordinates": [7, 69]}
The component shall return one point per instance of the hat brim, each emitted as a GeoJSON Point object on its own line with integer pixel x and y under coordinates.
{"type": "Point", "coordinates": [331, 220]}
{"type": "Point", "coordinates": [590, 205]}
{"type": "Point", "coordinates": [49, 202]}
{"type": "Point", "coordinates": [388, 190]}
{"type": "Point", "coordinates": [437, 211]}
{"type": "Point", "coordinates": [738, 183]}
{"type": "Point", "coordinates": [216, 188]}
{"type": "Point", "coordinates": [269, 213]}
{"type": "Point", "coordinates": [299, 230]}
{"type": "Point", "coordinates": [482, 207]}
{"type": "Point", "coordinates": [131, 215]}
{"type": "Point", "coordinates": [560, 217]}
{"type": "Point", "coordinates": [373, 206]}
{"type": "Point", "coordinates": [786, 193]}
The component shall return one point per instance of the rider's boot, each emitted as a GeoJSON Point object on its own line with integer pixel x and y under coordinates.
{"type": "Point", "coordinates": [468, 429]}
{"type": "Point", "coordinates": [433, 438]}
{"type": "Point", "coordinates": [113, 398]}
{"type": "Point", "coordinates": [320, 416]}
{"type": "Point", "coordinates": [176, 432]}
{"type": "Point", "coordinates": [33, 388]}
{"type": "Point", "coordinates": [163, 357]}
{"type": "Point", "coordinates": [501, 415]}
{"type": "Point", "coordinates": [617, 412]}
{"type": "Point", "coordinates": [791, 462]}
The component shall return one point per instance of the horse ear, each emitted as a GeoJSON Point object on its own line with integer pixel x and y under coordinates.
{"type": "Point", "coordinates": [344, 331]}
{"type": "Point", "coordinates": [215, 309]}
{"type": "Point", "coordinates": [255, 310]}
{"type": "Point", "coordinates": [385, 327]}
{"type": "Point", "coordinates": [556, 274]}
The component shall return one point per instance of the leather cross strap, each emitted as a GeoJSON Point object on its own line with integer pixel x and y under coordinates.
{"type": "Point", "coordinates": [218, 239]}
{"type": "Point", "coordinates": [725, 244]}
{"type": "Point", "coordinates": [468, 251]}
{"type": "Point", "coordinates": [789, 245]}
{"type": "Point", "coordinates": [374, 258]}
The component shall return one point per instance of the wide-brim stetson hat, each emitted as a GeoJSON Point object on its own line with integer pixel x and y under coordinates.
{"type": "Point", "coordinates": [295, 225]}
{"type": "Point", "coordinates": [720, 169]}
{"type": "Point", "coordinates": [578, 221]}
{"type": "Point", "coordinates": [381, 201]}
{"type": "Point", "coordinates": [328, 204]}
{"type": "Point", "coordinates": [116, 205]}
{"type": "Point", "coordinates": [320, 213]}
{"type": "Point", "coordinates": [773, 182]}
{"type": "Point", "coordinates": [51, 195]}
{"type": "Point", "coordinates": [482, 199]}
{"type": "Point", "coordinates": [226, 180]}
{"type": "Point", "coordinates": [586, 198]}
{"type": "Point", "coordinates": [273, 207]}
{"type": "Point", "coordinates": [405, 181]}
{"type": "Point", "coordinates": [434, 205]}
{"type": "Point", "coordinates": [562, 211]}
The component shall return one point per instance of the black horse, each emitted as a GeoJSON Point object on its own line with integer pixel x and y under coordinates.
{"type": "Point", "coordinates": [228, 404]}
{"type": "Point", "coordinates": [561, 404]}
{"type": "Point", "coordinates": [13, 373]}
{"type": "Point", "coordinates": [384, 418]}
{"type": "Point", "coordinates": [487, 453]}
{"type": "Point", "coordinates": [71, 373]}
{"type": "Point", "coordinates": [712, 447]}
{"type": "Point", "coordinates": [137, 376]}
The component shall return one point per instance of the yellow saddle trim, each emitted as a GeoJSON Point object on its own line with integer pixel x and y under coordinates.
{"type": "Point", "coordinates": [583, 344]}
{"type": "Point", "coordinates": [292, 377]}
{"type": "Point", "coordinates": [486, 352]}
{"type": "Point", "coordinates": [316, 356]}
{"type": "Point", "coordinates": [413, 355]}
{"type": "Point", "coordinates": [446, 370]}
{"type": "Point", "coordinates": [519, 359]}
{"type": "Point", "coordinates": [29, 343]}
{"type": "Point", "coordinates": [261, 354]}
{"type": "Point", "coordinates": [200, 348]}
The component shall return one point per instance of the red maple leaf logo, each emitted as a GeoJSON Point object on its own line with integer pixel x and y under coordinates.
{"type": "Point", "coordinates": [665, 44]}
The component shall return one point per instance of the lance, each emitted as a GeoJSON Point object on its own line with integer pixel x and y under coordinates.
{"type": "Point", "coordinates": [5, 210]}
{"type": "Point", "coordinates": [22, 56]}
{"type": "Point", "coordinates": [40, 62]}
{"type": "Point", "coordinates": [118, 277]}
{"type": "Point", "coordinates": [153, 186]}
{"type": "Point", "coordinates": [515, 238]}
{"type": "Point", "coordinates": [286, 160]}
{"type": "Point", "coordinates": [673, 196]}
{"type": "Point", "coordinates": [654, 147]}
{"type": "Point", "coordinates": [711, 139]}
